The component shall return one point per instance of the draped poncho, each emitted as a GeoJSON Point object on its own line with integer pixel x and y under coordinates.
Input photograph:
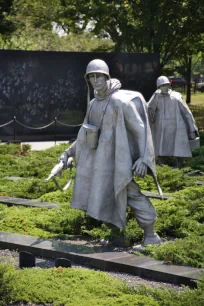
{"type": "Point", "coordinates": [171, 123]}
{"type": "Point", "coordinates": [102, 174]}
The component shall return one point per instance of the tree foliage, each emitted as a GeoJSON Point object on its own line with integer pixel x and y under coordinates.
{"type": "Point", "coordinates": [165, 27]}
{"type": "Point", "coordinates": [171, 28]}
{"type": "Point", "coordinates": [37, 29]}
{"type": "Point", "coordinates": [6, 25]}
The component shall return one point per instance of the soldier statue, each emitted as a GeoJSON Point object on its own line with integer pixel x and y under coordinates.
{"type": "Point", "coordinates": [174, 130]}
{"type": "Point", "coordinates": [113, 145]}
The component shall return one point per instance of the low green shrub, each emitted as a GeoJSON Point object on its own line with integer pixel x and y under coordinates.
{"type": "Point", "coordinates": [178, 217]}
{"type": "Point", "coordinates": [42, 222]}
{"type": "Point", "coordinates": [32, 164]}
{"type": "Point", "coordinates": [102, 231]}
{"type": "Point", "coordinates": [28, 189]}
{"type": "Point", "coordinates": [188, 251]}
{"type": "Point", "coordinates": [58, 197]}
{"type": "Point", "coordinates": [10, 148]}
{"type": "Point", "coordinates": [25, 148]}
{"type": "Point", "coordinates": [182, 215]}
{"type": "Point", "coordinates": [197, 162]}
{"type": "Point", "coordinates": [73, 287]}
{"type": "Point", "coordinates": [6, 284]}
{"type": "Point", "coordinates": [186, 297]}
{"type": "Point", "coordinates": [202, 138]}
{"type": "Point", "coordinates": [170, 179]}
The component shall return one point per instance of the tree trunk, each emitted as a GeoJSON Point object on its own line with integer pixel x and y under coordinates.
{"type": "Point", "coordinates": [188, 93]}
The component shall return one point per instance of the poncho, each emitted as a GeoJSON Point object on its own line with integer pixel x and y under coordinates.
{"type": "Point", "coordinates": [102, 174]}
{"type": "Point", "coordinates": [171, 123]}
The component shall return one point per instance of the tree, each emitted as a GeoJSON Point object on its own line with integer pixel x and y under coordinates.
{"type": "Point", "coordinates": [34, 21]}
{"type": "Point", "coordinates": [170, 28]}
{"type": "Point", "coordinates": [6, 26]}
{"type": "Point", "coordinates": [190, 48]}
{"type": "Point", "coordinates": [174, 29]}
{"type": "Point", "coordinates": [40, 39]}
{"type": "Point", "coordinates": [157, 26]}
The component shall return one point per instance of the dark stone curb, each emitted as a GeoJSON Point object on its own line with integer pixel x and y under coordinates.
{"type": "Point", "coordinates": [25, 202]}
{"type": "Point", "coordinates": [103, 258]}
{"type": "Point", "coordinates": [34, 203]}
{"type": "Point", "coordinates": [155, 195]}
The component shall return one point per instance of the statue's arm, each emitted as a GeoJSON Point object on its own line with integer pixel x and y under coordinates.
{"type": "Point", "coordinates": [70, 152]}
{"type": "Point", "coordinates": [189, 119]}
{"type": "Point", "coordinates": [135, 125]}
{"type": "Point", "coordinates": [152, 106]}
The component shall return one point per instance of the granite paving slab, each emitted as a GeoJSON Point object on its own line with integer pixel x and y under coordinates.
{"type": "Point", "coordinates": [10, 201]}
{"type": "Point", "coordinates": [104, 258]}
{"type": "Point", "coordinates": [16, 178]}
{"type": "Point", "coordinates": [26, 202]}
{"type": "Point", "coordinates": [200, 182]}
{"type": "Point", "coordinates": [155, 195]}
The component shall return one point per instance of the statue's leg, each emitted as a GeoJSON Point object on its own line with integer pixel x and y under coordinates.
{"type": "Point", "coordinates": [162, 160]}
{"type": "Point", "coordinates": [144, 212]}
{"type": "Point", "coordinates": [179, 162]}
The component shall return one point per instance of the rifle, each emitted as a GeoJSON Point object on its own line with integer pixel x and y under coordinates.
{"type": "Point", "coordinates": [57, 170]}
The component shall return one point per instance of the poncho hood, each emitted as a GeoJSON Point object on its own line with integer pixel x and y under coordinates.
{"type": "Point", "coordinates": [113, 85]}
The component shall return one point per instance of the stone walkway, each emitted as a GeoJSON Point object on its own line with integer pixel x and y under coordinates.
{"type": "Point", "coordinates": [103, 258]}
{"type": "Point", "coordinates": [26, 202]}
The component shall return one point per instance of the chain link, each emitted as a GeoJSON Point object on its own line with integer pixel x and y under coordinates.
{"type": "Point", "coordinates": [35, 128]}
{"type": "Point", "coordinates": [61, 123]}
{"type": "Point", "coordinates": [39, 128]}
{"type": "Point", "coordinates": [5, 124]}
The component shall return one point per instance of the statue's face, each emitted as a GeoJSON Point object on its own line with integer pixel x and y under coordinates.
{"type": "Point", "coordinates": [97, 80]}
{"type": "Point", "coordinates": [164, 88]}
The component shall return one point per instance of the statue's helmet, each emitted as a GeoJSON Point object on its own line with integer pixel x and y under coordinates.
{"type": "Point", "coordinates": [97, 66]}
{"type": "Point", "coordinates": [162, 80]}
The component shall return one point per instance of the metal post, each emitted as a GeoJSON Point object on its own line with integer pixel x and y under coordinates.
{"type": "Point", "coordinates": [55, 130]}
{"type": "Point", "coordinates": [14, 127]}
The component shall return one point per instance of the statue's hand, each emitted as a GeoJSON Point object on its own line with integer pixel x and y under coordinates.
{"type": "Point", "coordinates": [139, 168]}
{"type": "Point", "coordinates": [70, 162]}
{"type": "Point", "coordinates": [192, 136]}
{"type": "Point", "coordinates": [64, 158]}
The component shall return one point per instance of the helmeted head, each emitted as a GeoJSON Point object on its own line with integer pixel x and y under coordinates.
{"type": "Point", "coordinates": [97, 66]}
{"type": "Point", "coordinates": [163, 80]}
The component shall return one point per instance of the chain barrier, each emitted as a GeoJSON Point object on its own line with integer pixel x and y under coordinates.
{"type": "Point", "coordinates": [5, 124]}
{"type": "Point", "coordinates": [14, 121]}
{"type": "Point", "coordinates": [64, 124]}
{"type": "Point", "coordinates": [42, 127]}
{"type": "Point", "coordinates": [35, 128]}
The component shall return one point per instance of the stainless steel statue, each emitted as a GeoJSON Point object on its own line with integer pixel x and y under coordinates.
{"type": "Point", "coordinates": [174, 130]}
{"type": "Point", "coordinates": [113, 144]}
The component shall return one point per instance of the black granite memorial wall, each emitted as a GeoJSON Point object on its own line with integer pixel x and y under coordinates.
{"type": "Point", "coordinates": [46, 91]}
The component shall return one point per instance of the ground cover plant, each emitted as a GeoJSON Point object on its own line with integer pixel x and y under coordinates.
{"type": "Point", "coordinates": [6, 284]}
{"type": "Point", "coordinates": [73, 287]}
{"type": "Point", "coordinates": [180, 219]}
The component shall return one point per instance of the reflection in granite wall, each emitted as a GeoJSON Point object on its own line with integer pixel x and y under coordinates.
{"type": "Point", "coordinates": [37, 86]}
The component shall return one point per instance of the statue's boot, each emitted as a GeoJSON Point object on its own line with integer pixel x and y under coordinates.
{"type": "Point", "coordinates": [150, 236]}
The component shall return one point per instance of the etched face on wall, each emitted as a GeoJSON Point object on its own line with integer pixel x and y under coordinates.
{"type": "Point", "coordinates": [97, 80]}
